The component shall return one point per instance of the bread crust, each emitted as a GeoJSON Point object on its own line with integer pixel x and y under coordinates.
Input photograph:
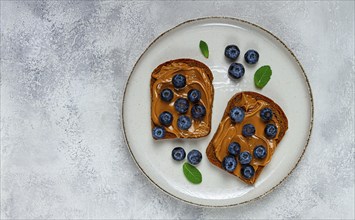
{"type": "Point", "coordinates": [190, 62]}
{"type": "Point", "coordinates": [278, 113]}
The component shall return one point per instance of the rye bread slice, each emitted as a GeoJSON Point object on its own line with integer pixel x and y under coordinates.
{"type": "Point", "coordinates": [209, 77]}
{"type": "Point", "coordinates": [277, 113]}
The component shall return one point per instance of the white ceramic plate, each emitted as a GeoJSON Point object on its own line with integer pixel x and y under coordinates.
{"type": "Point", "coordinates": [288, 87]}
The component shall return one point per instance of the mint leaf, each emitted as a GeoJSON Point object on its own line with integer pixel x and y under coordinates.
{"type": "Point", "coordinates": [262, 76]}
{"type": "Point", "coordinates": [192, 173]}
{"type": "Point", "coordinates": [204, 48]}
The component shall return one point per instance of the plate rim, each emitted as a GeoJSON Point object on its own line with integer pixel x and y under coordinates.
{"type": "Point", "coordinates": [303, 74]}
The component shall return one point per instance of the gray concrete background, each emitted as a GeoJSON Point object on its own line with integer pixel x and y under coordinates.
{"type": "Point", "coordinates": [63, 69]}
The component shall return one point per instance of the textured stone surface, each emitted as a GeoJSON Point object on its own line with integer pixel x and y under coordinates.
{"type": "Point", "coordinates": [63, 69]}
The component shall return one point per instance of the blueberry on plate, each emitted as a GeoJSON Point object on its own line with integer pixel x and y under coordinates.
{"type": "Point", "coordinates": [178, 153]}
{"type": "Point", "coordinates": [229, 163]}
{"type": "Point", "coordinates": [166, 95]}
{"type": "Point", "coordinates": [166, 118]}
{"type": "Point", "coordinates": [232, 52]}
{"type": "Point", "coordinates": [270, 130]}
{"type": "Point", "coordinates": [184, 122]}
{"type": "Point", "coordinates": [245, 157]}
{"type": "Point", "coordinates": [181, 105]}
{"type": "Point", "coordinates": [179, 81]}
{"type": "Point", "coordinates": [194, 95]}
{"type": "Point", "coordinates": [237, 114]}
{"type": "Point", "coordinates": [234, 148]}
{"type": "Point", "coordinates": [251, 56]}
{"type": "Point", "coordinates": [248, 130]}
{"type": "Point", "coordinates": [266, 114]}
{"type": "Point", "coordinates": [198, 111]}
{"type": "Point", "coordinates": [158, 132]}
{"type": "Point", "coordinates": [194, 157]}
{"type": "Point", "coordinates": [236, 70]}
{"type": "Point", "coordinates": [260, 152]}
{"type": "Point", "coordinates": [247, 171]}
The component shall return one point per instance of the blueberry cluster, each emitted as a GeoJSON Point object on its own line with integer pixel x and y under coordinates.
{"type": "Point", "coordinates": [230, 162]}
{"type": "Point", "coordinates": [237, 115]}
{"type": "Point", "coordinates": [236, 70]}
{"type": "Point", "coordinates": [194, 157]}
{"type": "Point", "coordinates": [181, 105]}
{"type": "Point", "coordinates": [270, 129]}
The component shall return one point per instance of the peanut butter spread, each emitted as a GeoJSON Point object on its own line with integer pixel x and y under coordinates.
{"type": "Point", "coordinates": [196, 78]}
{"type": "Point", "coordinates": [232, 132]}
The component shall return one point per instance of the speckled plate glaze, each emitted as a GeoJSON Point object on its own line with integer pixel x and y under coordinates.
{"type": "Point", "coordinates": [288, 87]}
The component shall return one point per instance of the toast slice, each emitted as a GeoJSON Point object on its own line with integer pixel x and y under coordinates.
{"type": "Point", "coordinates": [198, 76]}
{"type": "Point", "coordinates": [228, 131]}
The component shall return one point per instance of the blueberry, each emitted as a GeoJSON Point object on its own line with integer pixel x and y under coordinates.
{"type": "Point", "coordinates": [232, 52]}
{"type": "Point", "coordinates": [178, 153]}
{"type": "Point", "coordinates": [270, 130]}
{"type": "Point", "coordinates": [260, 152]}
{"type": "Point", "coordinates": [229, 163]}
{"type": "Point", "coordinates": [198, 111]}
{"type": "Point", "coordinates": [247, 171]}
{"type": "Point", "coordinates": [234, 148]}
{"type": "Point", "coordinates": [181, 105]}
{"type": "Point", "coordinates": [245, 157]}
{"type": "Point", "coordinates": [251, 56]}
{"type": "Point", "coordinates": [194, 157]}
{"type": "Point", "coordinates": [179, 81]}
{"type": "Point", "coordinates": [248, 130]}
{"type": "Point", "coordinates": [158, 132]}
{"type": "Point", "coordinates": [194, 95]}
{"type": "Point", "coordinates": [237, 114]}
{"type": "Point", "coordinates": [166, 95]}
{"type": "Point", "coordinates": [236, 70]}
{"type": "Point", "coordinates": [184, 122]}
{"type": "Point", "coordinates": [266, 114]}
{"type": "Point", "coordinates": [166, 118]}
